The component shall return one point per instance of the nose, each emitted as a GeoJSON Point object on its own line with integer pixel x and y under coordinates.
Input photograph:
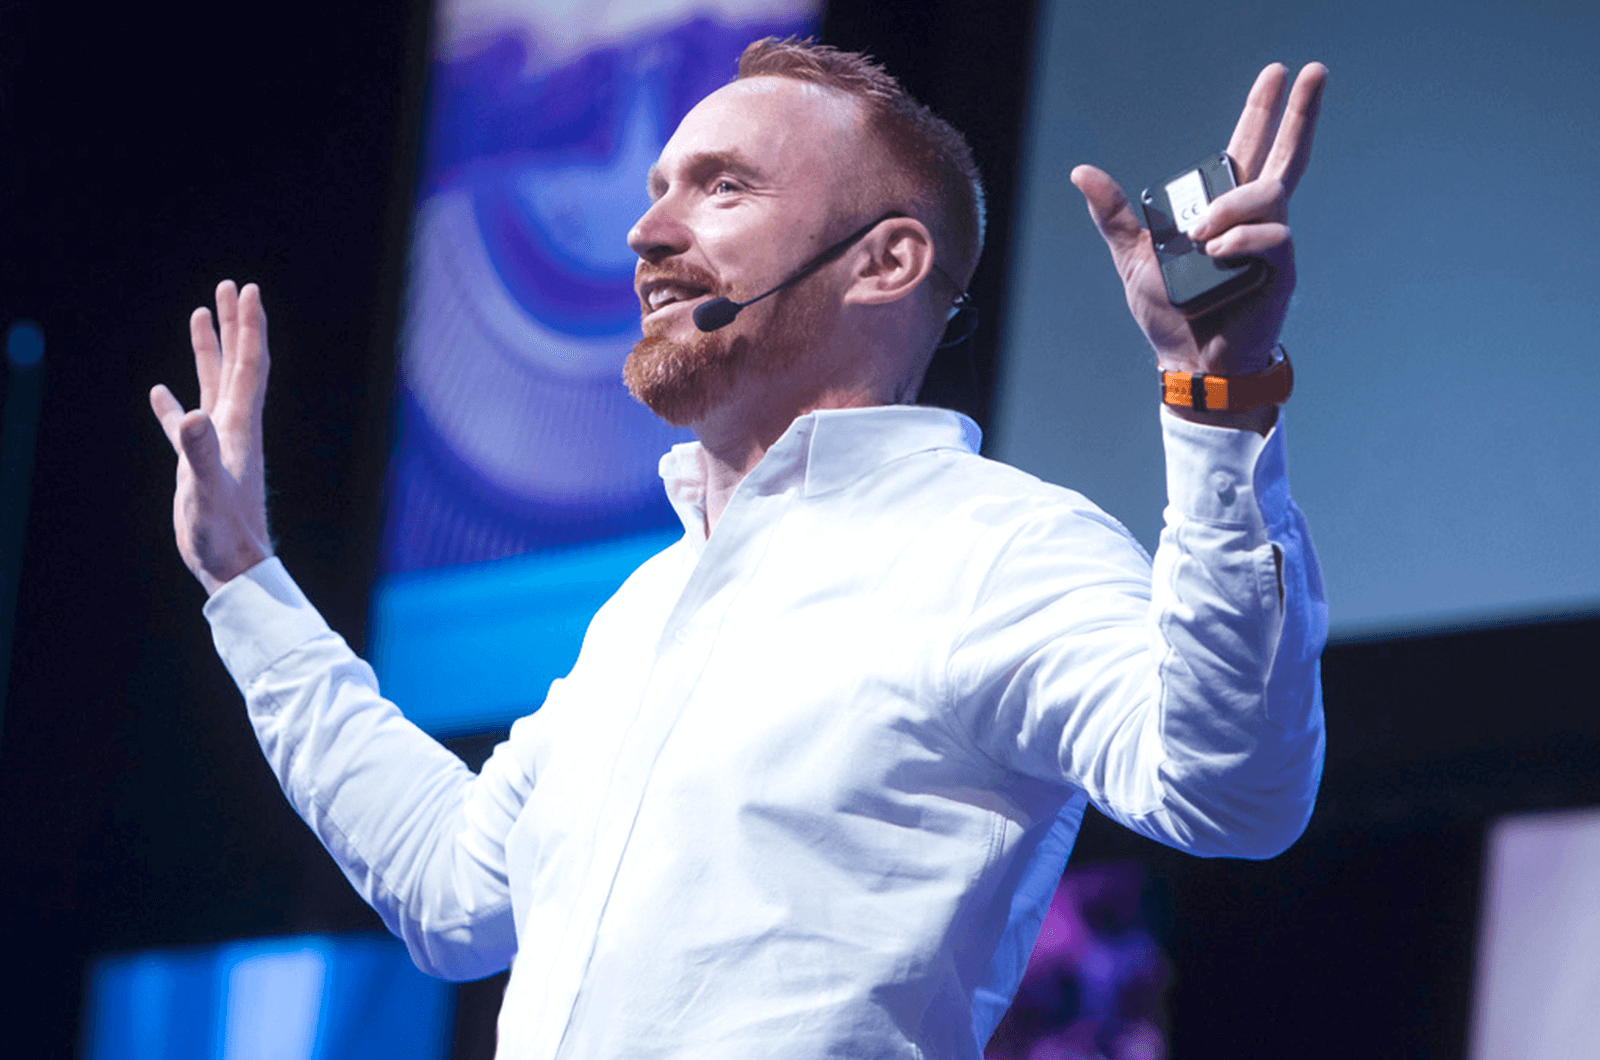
{"type": "Point", "coordinates": [658, 233]}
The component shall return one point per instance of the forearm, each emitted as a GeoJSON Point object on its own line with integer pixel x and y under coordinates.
{"type": "Point", "coordinates": [1182, 698]}
{"type": "Point", "coordinates": [1239, 621]}
{"type": "Point", "coordinates": [415, 832]}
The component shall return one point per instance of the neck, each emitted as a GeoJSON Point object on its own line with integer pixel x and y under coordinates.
{"type": "Point", "coordinates": [737, 433]}
{"type": "Point", "coordinates": [865, 369]}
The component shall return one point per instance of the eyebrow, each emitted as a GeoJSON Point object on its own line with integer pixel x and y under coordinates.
{"type": "Point", "coordinates": [702, 165]}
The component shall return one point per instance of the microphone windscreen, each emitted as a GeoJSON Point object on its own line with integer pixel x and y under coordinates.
{"type": "Point", "coordinates": [717, 313]}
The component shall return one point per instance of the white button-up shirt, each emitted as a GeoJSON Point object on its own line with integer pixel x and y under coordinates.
{"type": "Point", "coordinates": [809, 786]}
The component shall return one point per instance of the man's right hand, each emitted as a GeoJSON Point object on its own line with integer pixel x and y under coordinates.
{"type": "Point", "coordinates": [219, 510]}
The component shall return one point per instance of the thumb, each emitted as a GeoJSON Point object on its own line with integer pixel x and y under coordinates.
{"type": "Point", "coordinates": [1109, 209]}
{"type": "Point", "coordinates": [198, 437]}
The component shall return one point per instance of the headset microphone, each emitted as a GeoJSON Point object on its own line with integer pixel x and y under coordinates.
{"type": "Point", "coordinates": [719, 312]}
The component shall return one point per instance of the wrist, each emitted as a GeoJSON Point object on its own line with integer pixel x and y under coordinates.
{"type": "Point", "coordinates": [1247, 400]}
{"type": "Point", "coordinates": [219, 571]}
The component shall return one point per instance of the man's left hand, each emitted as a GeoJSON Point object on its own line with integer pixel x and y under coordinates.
{"type": "Point", "coordinates": [1270, 155]}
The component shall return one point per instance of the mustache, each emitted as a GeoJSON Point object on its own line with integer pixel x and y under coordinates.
{"type": "Point", "coordinates": [675, 272]}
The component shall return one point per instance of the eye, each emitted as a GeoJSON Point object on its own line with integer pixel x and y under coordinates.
{"type": "Point", "coordinates": [723, 186]}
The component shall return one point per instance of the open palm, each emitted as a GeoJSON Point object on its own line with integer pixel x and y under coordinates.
{"type": "Point", "coordinates": [219, 509]}
{"type": "Point", "coordinates": [1270, 154]}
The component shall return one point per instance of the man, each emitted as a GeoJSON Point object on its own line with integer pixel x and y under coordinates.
{"type": "Point", "coordinates": [808, 788]}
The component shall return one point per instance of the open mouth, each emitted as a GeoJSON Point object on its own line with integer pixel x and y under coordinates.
{"type": "Point", "coordinates": [660, 294]}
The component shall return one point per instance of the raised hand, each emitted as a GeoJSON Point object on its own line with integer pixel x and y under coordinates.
{"type": "Point", "coordinates": [1253, 219]}
{"type": "Point", "coordinates": [219, 509]}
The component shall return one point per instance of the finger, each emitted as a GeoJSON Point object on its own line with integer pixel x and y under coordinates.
{"type": "Point", "coordinates": [1291, 150]}
{"type": "Point", "coordinates": [1260, 200]}
{"type": "Point", "coordinates": [228, 328]}
{"type": "Point", "coordinates": [1266, 240]}
{"type": "Point", "coordinates": [253, 357]}
{"type": "Point", "coordinates": [207, 355]}
{"type": "Point", "coordinates": [169, 413]}
{"type": "Point", "coordinates": [1258, 122]}
{"type": "Point", "coordinates": [243, 391]}
{"type": "Point", "coordinates": [1110, 211]}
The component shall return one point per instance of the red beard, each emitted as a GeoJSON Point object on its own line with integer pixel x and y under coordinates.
{"type": "Point", "coordinates": [681, 379]}
{"type": "Point", "coordinates": [677, 379]}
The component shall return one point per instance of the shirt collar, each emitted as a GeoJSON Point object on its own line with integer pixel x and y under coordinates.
{"type": "Point", "coordinates": [825, 450]}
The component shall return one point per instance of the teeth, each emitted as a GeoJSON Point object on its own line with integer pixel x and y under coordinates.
{"type": "Point", "coordinates": [663, 295]}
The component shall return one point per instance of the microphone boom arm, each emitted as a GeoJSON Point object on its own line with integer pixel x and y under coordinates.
{"type": "Point", "coordinates": [719, 312]}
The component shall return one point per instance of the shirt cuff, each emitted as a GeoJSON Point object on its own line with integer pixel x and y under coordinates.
{"type": "Point", "coordinates": [259, 617]}
{"type": "Point", "coordinates": [1225, 476]}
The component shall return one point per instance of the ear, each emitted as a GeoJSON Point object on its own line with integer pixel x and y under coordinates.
{"type": "Point", "coordinates": [890, 262]}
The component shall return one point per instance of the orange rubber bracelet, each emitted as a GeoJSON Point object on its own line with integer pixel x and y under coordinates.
{"type": "Point", "coordinates": [1230, 393]}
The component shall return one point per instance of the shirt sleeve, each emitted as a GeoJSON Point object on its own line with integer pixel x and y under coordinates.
{"type": "Point", "coordinates": [420, 837]}
{"type": "Point", "coordinates": [1184, 695]}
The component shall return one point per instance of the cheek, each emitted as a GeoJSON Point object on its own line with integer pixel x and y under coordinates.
{"type": "Point", "coordinates": [734, 239]}
{"type": "Point", "coordinates": [752, 244]}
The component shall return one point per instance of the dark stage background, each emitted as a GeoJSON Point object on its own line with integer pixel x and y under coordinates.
{"type": "Point", "coordinates": [146, 153]}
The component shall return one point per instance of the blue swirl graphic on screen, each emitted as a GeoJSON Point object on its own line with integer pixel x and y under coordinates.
{"type": "Point", "coordinates": [515, 432]}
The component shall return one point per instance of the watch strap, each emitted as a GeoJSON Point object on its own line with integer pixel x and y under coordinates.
{"type": "Point", "coordinates": [1230, 393]}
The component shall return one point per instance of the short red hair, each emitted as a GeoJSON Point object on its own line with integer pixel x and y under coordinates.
{"type": "Point", "coordinates": [928, 166]}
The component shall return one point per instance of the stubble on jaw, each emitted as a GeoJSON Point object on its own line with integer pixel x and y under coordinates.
{"type": "Point", "coordinates": [677, 379]}
{"type": "Point", "coordinates": [680, 380]}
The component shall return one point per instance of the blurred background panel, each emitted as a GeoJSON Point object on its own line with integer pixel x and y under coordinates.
{"type": "Point", "coordinates": [149, 152]}
{"type": "Point", "coordinates": [1537, 977]}
{"type": "Point", "coordinates": [308, 997]}
{"type": "Point", "coordinates": [1442, 446]}
{"type": "Point", "coordinates": [522, 487]}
